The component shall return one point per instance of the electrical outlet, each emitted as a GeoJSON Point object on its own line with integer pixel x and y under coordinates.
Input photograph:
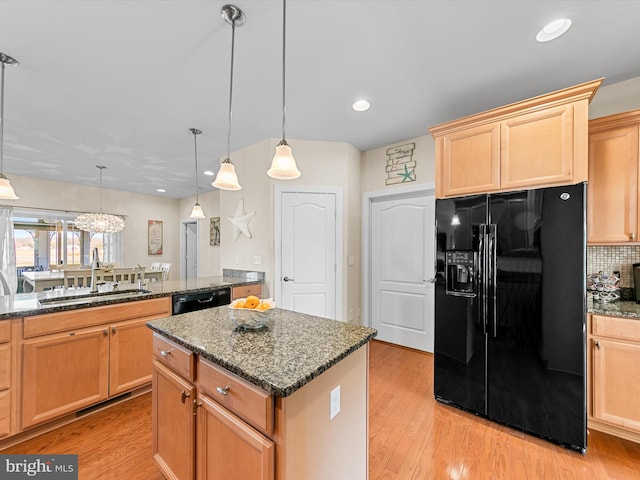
{"type": "Point", "coordinates": [335, 402]}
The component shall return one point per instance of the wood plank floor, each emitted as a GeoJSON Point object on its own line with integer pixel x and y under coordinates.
{"type": "Point", "coordinates": [411, 436]}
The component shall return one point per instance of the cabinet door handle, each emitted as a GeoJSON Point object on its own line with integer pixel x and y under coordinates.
{"type": "Point", "coordinates": [105, 332]}
{"type": "Point", "coordinates": [184, 395]}
{"type": "Point", "coordinates": [287, 279]}
{"type": "Point", "coordinates": [632, 236]}
{"type": "Point", "coordinates": [165, 353]}
{"type": "Point", "coordinates": [598, 344]}
{"type": "Point", "coordinates": [223, 391]}
{"type": "Point", "coordinates": [113, 330]}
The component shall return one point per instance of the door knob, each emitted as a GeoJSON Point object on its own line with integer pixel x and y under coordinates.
{"type": "Point", "coordinates": [431, 280]}
{"type": "Point", "coordinates": [287, 279]}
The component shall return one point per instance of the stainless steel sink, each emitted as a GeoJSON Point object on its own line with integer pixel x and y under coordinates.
{"type": "Point", "coordinates": [92, 298]}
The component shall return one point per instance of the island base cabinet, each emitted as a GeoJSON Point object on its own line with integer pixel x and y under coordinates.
{"type": "Point", "coordinates": [617, 382]}
{"type": "Point", "coordinates": [64, 373]}
{"type": "Point", "coordinates": [173, 423]}
{"type": "Point", "coordinates": [228, 448]}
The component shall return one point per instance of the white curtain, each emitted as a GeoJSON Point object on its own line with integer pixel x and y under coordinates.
{"type": "Point", "coordinates": [113, 249]}
{"type": "Point", "coordinates": [8, 250]}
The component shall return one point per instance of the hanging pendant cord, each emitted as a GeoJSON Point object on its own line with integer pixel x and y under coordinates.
{"type": "Point", "coordinates": [101, 168]}
{"type": "Point", "coordinates": [233, 36]}
{"type": "Point", "coordinates": [2, 120]}
{"type": "Point", "coordinates": [195, 149]}
{"type": "Point", "coordinates": [284, 43]}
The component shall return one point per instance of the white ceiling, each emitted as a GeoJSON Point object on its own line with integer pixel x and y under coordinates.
{"type": "Point", "coordinates": [119, 83]}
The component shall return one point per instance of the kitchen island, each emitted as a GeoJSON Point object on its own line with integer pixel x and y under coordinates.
{"type": "Point", "coordinates": [288, 401]}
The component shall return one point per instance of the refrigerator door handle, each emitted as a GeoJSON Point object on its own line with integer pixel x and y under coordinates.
{"type": "Point", "coordinates": [492, 277]}
{"type": "Point", "coordinates": [482, 276]}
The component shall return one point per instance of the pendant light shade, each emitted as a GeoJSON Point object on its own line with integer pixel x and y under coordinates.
{"type": "Point", "coordinates": [226, 179]}
{"type": "Point", "coordinates": [100, 222]}
{"type": "Point", "coordinates": [283, 165]}
{"type": "Point", "coordinates": [6, 190]}
{"type": "Point", "coordinates": [196, 212]}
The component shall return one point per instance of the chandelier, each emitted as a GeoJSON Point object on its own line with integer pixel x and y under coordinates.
{"type": "Point", "coordinates": [100, 222]}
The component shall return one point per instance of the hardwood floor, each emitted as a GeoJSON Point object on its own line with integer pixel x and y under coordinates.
{"type": "Point", "coordinates": [411, 436]}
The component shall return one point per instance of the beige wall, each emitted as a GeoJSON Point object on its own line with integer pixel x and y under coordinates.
{"type": "Point", "coordinates": [37, 193]}
{"type": "Point", "coordinates": [208, 255]}
{"type": "Point", "coordinates": [324, 164]}
{"type": "Point", "coordinates": [374, 162]}
{"type": "Point", "coordinates": [616, 98]}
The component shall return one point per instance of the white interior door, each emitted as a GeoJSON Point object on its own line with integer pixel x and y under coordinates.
{"type": "Point", "coordinates": [191, 249]}
{"type": "Point", "coordinates": [308, 253]}
{"type": "Point", "coordinates": [402, 262]}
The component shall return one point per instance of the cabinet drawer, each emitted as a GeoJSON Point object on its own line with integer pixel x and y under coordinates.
{"type": "Point", "coordinates": [616, 327]}
{"type": "Point", "coordinates": [249, 402]}
{"type": "Point", "coordinates": [174, 356]}
{"type": "Point", "coordinates": [246, 290]}
{"type": "Point", "coordinates": [87, 317]}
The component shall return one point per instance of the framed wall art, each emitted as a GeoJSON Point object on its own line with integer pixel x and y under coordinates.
{"type": "Point", "coordinates": [214, 232]}
{"type": "Point", "coordinates": [154, 242]}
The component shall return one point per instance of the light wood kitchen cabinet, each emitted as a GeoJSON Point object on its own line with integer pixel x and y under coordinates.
{"type": "Point", "coordinates": [614, 159]}
{"type": "Point", "coordinates": [230, 449]}
{"type": "Point", "coordinates": [6, 370]}
{"type": "Point", "coordinates": [614, 347]}
{"type": "Point", "coordinates": [538, 142]}
{"type": "Point", "coordinates": [69, 364]}
{"type": "Point", "coordinates": [173, 423]}
{"type": "Point", "coordinates": [63, 373]}
{"type": "Point", "coordinates": [243, 291]}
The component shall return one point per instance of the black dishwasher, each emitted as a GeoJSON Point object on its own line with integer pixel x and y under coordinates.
{"type": "Point", "coordinates": [190, 302]}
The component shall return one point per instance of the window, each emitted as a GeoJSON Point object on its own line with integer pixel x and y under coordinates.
{"type": "Point", "coordinates": [47, 239]}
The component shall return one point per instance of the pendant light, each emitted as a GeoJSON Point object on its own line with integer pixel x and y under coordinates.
{"type": "Point", "coordinates": [6, 190]}
{"type": "Point", "coordinates": [283, 165]}
{"type": "Point", "coordinates": [227, 178]}
{"type": "Point", "coordinates": [100, 222]}
{"type": "Point", "coordinates": [197, 209]}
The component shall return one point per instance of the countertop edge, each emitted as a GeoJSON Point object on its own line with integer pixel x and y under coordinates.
{"type": "Point", "coordinates": [265, 385]}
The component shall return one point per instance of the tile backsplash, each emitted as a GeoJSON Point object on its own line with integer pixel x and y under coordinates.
{"type": "Point", "coordinates": [610, 258]}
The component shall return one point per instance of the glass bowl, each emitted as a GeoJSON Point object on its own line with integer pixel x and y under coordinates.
{"type": "Point", "coordinates": [250, 318]}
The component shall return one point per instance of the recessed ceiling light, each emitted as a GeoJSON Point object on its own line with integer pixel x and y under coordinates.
{"type": "Point", "coordinates": [209, 172]}
{"type": "Point", "coordinates": [161, 190]}
{"type": "Point", "coordinates": [361, 105]}
{"type": "Point", "coordinates": [553, 30]}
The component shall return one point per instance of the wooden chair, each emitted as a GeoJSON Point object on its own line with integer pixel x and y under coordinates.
{"type": "Point", "coordinates": [128, 274]}
{"type": "Point", "coordinates": [81, 277]}
{"type": "Point", "coordinates": [165, 270]}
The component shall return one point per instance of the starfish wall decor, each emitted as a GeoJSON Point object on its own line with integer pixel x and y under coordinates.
{"type": "Point", "coordinates": [240, 222]}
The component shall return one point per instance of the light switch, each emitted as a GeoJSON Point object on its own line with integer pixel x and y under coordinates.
{"type": "Point", "coordinates": [257, 260]}
{"type": "Point", "coordinates": [351, 260]}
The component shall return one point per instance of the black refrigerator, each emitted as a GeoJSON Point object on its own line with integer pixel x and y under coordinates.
{"type": "Point", "coordinates": [510, 310]}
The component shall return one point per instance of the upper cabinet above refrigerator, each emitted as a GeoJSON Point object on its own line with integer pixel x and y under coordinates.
{"type": "Point", "coordinates": [534, 143]}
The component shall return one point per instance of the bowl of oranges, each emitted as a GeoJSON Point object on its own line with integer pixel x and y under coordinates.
{"type": "Point", "coordinates": [251, 313]}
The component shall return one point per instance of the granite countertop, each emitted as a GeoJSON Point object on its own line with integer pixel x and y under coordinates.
{"type": "Point", "coordinates": [28, 304]}
{"type": "Point", "coordinates": [627, 309]}
{"type": "Point", "coordinates": [292, 350]}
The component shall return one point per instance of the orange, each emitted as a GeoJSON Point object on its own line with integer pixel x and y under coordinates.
{"type": "Point", "coordinates": [251, 301]}
{"type": "Point", "coordinates": [239, 304]}
{"type": "Point", "coordinates": [263, 306]}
